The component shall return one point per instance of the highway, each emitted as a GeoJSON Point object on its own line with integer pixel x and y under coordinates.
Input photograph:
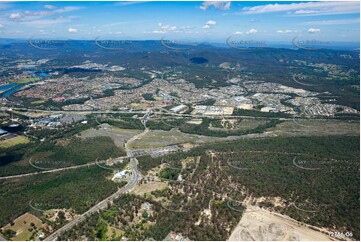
{"type": "Point", "coordinates": [132, 165]}
{"type": "Point", "coordinates": [59, 169]}
{"type": "Point", "coordinates": [100, 206]}
{"type": "Point", "coordinates": [104, 204]}
{"type": "Point", "coordinates": [129, 155]}
{"type": "Point", "coordinates": [180, 115]}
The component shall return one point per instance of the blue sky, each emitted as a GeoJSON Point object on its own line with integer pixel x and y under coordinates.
{"type": "Point", "coordinates": [200, 21]}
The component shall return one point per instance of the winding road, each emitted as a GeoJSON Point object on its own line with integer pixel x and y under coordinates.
{"type": "Point", "coordinates": [104, 204]}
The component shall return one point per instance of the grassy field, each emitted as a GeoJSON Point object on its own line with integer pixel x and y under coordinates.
{"type": "Point", "coordinates": [22, 225]}
{"type": "Point", "coordinates": [14, 141]}
{"type": "Point", "coordinates": [160, 138]}
{"type": "Point", "coordinates": [236, 124]}
{"type": "Point", "coordinates": [316, 127]}
{"type": "Point", "coordinates": [118, 135]}
{"type": "Point", "coordinates": [113, 232]}
{"type": "Point", "coordinates": [38, 102]}
{"type": "Point", "coordinates": [26, 80]}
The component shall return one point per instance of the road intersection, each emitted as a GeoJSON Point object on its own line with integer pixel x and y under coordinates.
{"type": "Point", "coordinates": [104, 204]}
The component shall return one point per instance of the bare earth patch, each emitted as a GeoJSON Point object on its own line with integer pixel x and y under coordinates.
{"type": "Point", "coordinates": [120, 136]}
{"type": "Point", "coordinates": [149, 187]}
{"type": "Point", "coordinates": [161, 138]}
{"type": "Point", "coordinates": [260, 224]}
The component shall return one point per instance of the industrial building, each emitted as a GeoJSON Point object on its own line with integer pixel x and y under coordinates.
{"type": "Point", "coordinates": [212, 110]}
{"type": "Point", "coordinates": [2, 132]}
{"type": "Point", "coordinates": [179, 108]}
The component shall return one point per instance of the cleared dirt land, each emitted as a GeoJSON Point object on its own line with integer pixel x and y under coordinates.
{"type": "Point", "coordinates": [149, 187]}
{"type": "Point", "coordinates": [160, 138]}
{"type": "Point", "coordinates": [260, 224]}
{"type": "Point", "coordinates": [297, 127]}
{"type": "Point", "coordinates": [120, 136]}
{"type": "Point", "coordinates": [304, 127]}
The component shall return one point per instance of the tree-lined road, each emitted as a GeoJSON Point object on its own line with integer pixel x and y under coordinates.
{"type": "Point", "coordinates": [104, 204]}
{"type": "Point", "coordinates": [60, 169]}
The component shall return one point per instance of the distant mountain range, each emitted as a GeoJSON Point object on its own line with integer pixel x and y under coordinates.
{"type": "Point", "coordinates": [156, 45]}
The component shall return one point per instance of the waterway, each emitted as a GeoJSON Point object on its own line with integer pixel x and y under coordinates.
{"type": "Point", "coordinates": [10, 89]}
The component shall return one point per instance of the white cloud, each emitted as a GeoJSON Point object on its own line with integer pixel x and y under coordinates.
{"type": "Point", "coordinates": [115, 32]}
{"type": "Point", "coordinates": [185, 27]}
{"type": "Point", "coordinates": [4, 5]}
{"type": "Point", "coordinates": [312, 30]}
{"type": "Point", "coordinates": [41, 23]}
{"type": "Point", "coordinates": [15, 16]}
{"type": "Point", "coordinates": [238, 33]}
{"type": "Point", "coordinates": [38, 14]}
{"type": "Point", "coordinates": [209, 24]}
{"type": "Point", "coordinates": [287, 31]}
{"type": "Point", "coordinates": [156, 32]}
{"type": "Point", "coordinates": [163, 29]}
{"type": "Point", "coordinates": [221, 5]}
{"type": "Point", "coordinates": [68, 9]}
{"type": "Point", "coordinates": [51, 7]}
{"type": "Point", "coordinates": [307, 8]}
{"type": "Point", "coordinates": [38, 19]}
{"type": "Point", "coordinates": [334, 22]}
{"type": "Point", "coordinates": [167, 28]}
{"type": "Point", "coordinates": [128, 3]}
{"type": "Point", "coordinates": [117, 23]}
{"type": "Point", "coordinates": [252, 31]}
{"type": "Point", "coordinates": [72, 30]}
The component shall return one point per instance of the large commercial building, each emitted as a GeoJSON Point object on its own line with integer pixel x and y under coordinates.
{"type": "Point", "coordinates": [212, 110]}
{"type": "Point", "coordinates": [179, 108]}
{"type": "Point", "coordinates": [3, 132]}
